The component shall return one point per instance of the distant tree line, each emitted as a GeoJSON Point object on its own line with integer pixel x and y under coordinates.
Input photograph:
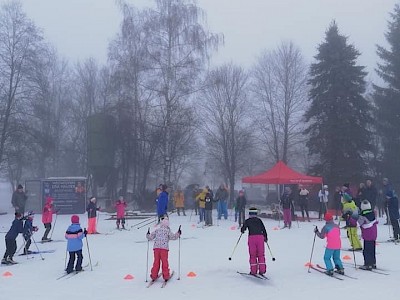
{"type": "Point", "coordinates": [180, 120]}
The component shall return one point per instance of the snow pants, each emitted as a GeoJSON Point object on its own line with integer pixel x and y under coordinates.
{"type": "Point", "coordinates": [287, 217]}
{"type": "Point", "coordinates": [202, 212]}
{"type": "Point", "coordinates": [396, 228]}
{"type": "Point", "coordinates": [335, 254]}
{"type": "Point", "coordinates": [208, 217]}
{"type": "Point", "coordinates": [160, 257]}
{"type": "Point", "coordinates": [71, 261]}
{"type": "Point", "coordinates": [11, 247]}
{"type": "Point", "coordinates": [92, 226]}
{"type": "Point", "coordinates": [353, 238]}
{"type": "Point", "coordinates": [47, 226]}
{"type": "Point", "coordinates": [369, 253]}
{"type": "Point", "coordinates": [257, 254]}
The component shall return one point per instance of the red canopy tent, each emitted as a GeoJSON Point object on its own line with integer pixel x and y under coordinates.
{"type": "Point", "coordinates": [282, 174]}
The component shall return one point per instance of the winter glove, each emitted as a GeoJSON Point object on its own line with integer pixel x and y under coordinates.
{"type": "Point", "coordinates": [85, 232]}
{"type": "Point", "coordinates": [99, 208]}
{"type": "Point", "coordinates": [35, 228]}
{"type": "Point", "coordinates": [180, 231]}
{"type": "Point", "coordinates": [242, 230]}
{"type": "Point", "coordinates": [265, 239]}
{"type": "Point", "coordinates": [316, 229]}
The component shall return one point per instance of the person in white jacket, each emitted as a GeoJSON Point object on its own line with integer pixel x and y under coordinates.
{"type": "Point", "coordinates": [323, 195]}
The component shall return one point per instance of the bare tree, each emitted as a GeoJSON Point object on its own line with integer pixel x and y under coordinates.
{"type": "Point", "coordinates": [19, 42]}
{"type": "Point", "coordinates": [225, 119]}
{"type": "Point", "coordinates": [178, 47]}
{"type": "Point", "coordinates": [279, 81]}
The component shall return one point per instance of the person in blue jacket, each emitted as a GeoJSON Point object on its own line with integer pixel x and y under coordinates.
{"type": "Point", "coordinates": [75, 235]}
{"type": "Point", "coordinates": [162, 202]}
{"type": "Point", "coordinates": [11, 236]}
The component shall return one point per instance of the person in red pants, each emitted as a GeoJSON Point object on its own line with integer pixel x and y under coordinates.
{"type": "Point", "coordinates": [256, 239]}
{"type": "Point", "coordinates": [161, 237]}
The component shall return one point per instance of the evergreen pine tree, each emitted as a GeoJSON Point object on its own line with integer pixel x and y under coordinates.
{"type": "Point", "coordinates": [387, 99]}
{"type": "Point", "coordinates": [339, 114]}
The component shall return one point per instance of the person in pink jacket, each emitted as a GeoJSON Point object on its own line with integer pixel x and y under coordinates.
{"type": "Point", "coordinates": [161, 237]}
{"type": "Point", "coordinates": [47, 217]}
{"type": "Point", "coordinates": [332, 233]}
{"type": "Point", "coordinates": [120, 206]}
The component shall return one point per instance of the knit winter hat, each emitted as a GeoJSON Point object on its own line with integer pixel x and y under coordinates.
{"type": "Point", "coordinates": [365, 205]}
{"type": "Point", "coordinates": [20, 187]}
{"type": "Point", "coordinates": [164, 222]}
{"type": "Point", "coordinates": [75, 219]}
{"type": "Point", "coordinates": [253, 211]}
{"type": "Point", "coordinates": [18, 215]}
{"type": "Point", "coordinates": [347, 197]}
{"type": "Point", "coordinates": [346, 184]}
{"type": "Point", "coordinates": [328, 217]}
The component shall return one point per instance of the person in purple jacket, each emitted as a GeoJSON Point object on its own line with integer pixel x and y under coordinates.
{"type": "Point", "coordinates": [369, 232]}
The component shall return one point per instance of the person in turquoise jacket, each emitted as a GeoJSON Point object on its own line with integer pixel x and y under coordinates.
{"type": "Point", "coordinates": [332, 233]}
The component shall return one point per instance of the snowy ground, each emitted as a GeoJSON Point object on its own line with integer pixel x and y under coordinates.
{"type": "Point", "coordinates": [204, 252]}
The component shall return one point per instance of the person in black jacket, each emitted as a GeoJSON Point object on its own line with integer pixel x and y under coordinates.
{"type": "Point", "coordinates": [11, 236]}
{"type": "Point", "coordinates": [256, 239]}
{"type": "Point", "coordinates": [287, 206]}
{"type": "Point", "coordinates": [208, 209]}
{"type": "Point", "coordinates": [393, 210]}
{"type": "Point", "coordinates": [92, 216]}
{"type": "Point", "coordinates": [240, 207]}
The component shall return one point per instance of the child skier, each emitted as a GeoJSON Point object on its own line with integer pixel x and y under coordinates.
{"type": "Point", "coordinates": [120, 207]}
{"type": "Point", "coordinates": [28, 231]}
{"type": "Point", "coordinates": [350, 215]}
{"type": "Point", "coordinates": [47, 217]}
{"type": "Point", "coordinates": [161, 237]}
{"type": "Point", "coordinates": [256, 239]}
{"type": "Point", "coordinates": [393, 209]}
{"type": "Point", "coordinates": [11, 236]}
{"type": "Point", "coordinates": [332, 233]}
{"type": "Point", "coordinates": [369, 232]}
{"type": "Point", "coordinates": [240, 207]}
{"type": "Point", "coordinates": [74, 236]}
{"type": "Point", "coordinates": [208, 207]}
{"type": "Point", "coordinates": [92, 215]}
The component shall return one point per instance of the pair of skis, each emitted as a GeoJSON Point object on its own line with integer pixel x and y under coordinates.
{"type": "Point", "coordinates": [335, 275]}
{"type": "Point", "coordinates": [69, 275]}
{"type": "Point", "coordinates": [164, 283]}
{"type": "Point", "coordinates": [258, 276]}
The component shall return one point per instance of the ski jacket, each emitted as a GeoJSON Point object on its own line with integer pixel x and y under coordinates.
{"type": "Point", "coordinates": [161, 237]}
{"type": "Point", "coordinates": [368, 225]}
{"type": "Point", "coordinates": [120, 207]}
{"type": "Point", "coordinates": [179, 199]}
{"type": "Point", "coordinates": [287, 201]}
{"type": "Point", "coordinates": [16, 228]}
{"type": "Point", "coordinates": [208, 202]}
{"type": "Point", "coordinates": [323, 196]}
{"type": "Point", "coordinates": [255, 226]}
{"type": "Point", "coordinates": [48, 211]}
{"type": "Point", "coordinates": [74, 236]}
{"type": "Point", "coordinates": [221, 194]}
{"type": "Point", "coordinates": [28, 229]}
{"type": "Point", "coordinates": [92, 210]}
{"type": "Point", "coordinates": [200, 197]}
{"type": "Point", "coordinates": [19, 199]}
{"type": "Point", "coordinates": [240, 203]}
{"type": "Point", "coordinates": [162, 203]}
{"type": "Point", "coordinates": [332, 233]}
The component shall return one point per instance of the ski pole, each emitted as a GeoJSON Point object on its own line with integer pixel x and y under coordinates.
{"type": "Point", "coordinates": [141, 222]}
{"type": "Point", "coordinates": [87, 245]}
{"type": "Point", "coordinates": [146, 224]}
{"type": "Point", "coordinates": [270, 252]}
{"type": "Point", "coordinates": [179, 254]}
{"type": "Point", "coordinates": [55, 222]}
{"type": "Point", "coordinates": [312, 249]}
{"type": "Point", "coordinates": [33, 239]}
{"type": "Point", "coordinates": [65, 260]}
{"type": "Point", "coordinates": [352, 246]}
{"type": "Point", "coordinates": [230, 258]}
{"type": "Point", "coordinates": [147, 258]}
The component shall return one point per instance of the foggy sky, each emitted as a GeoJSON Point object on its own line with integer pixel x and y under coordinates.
{"type": "Point", "coordinates": [83, 28]}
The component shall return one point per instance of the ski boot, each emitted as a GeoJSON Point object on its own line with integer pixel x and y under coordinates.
{"type": "Point", "coordinates": [329, 272]}
{"type": "Point", "coordinates": [366, 267]}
